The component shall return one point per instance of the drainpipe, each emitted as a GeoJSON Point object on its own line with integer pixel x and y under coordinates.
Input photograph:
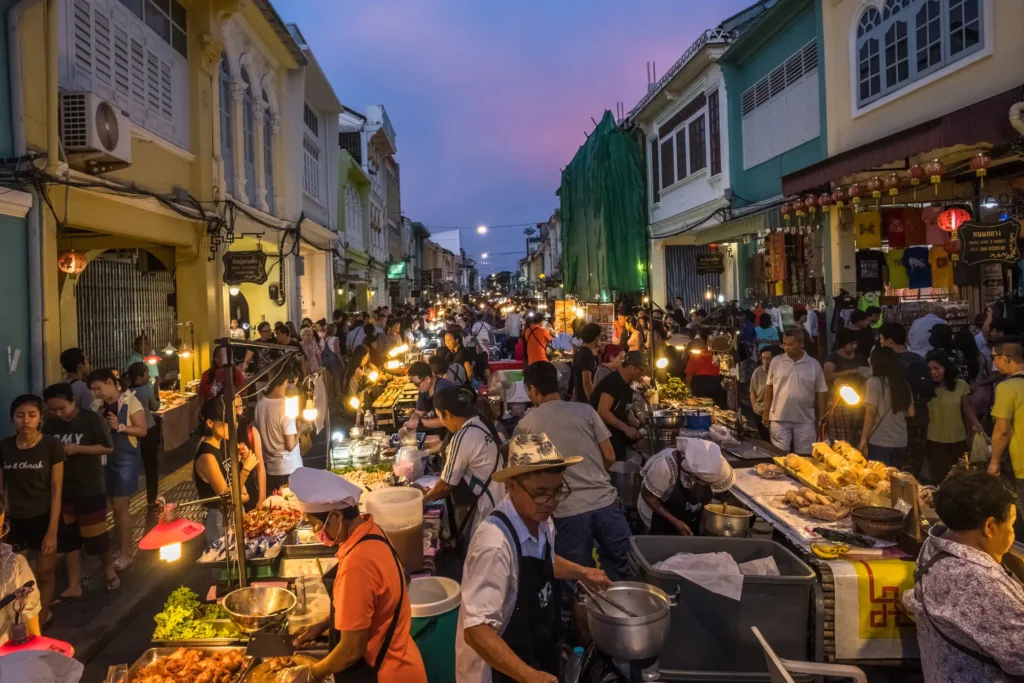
{"type": "Point", "coordinates": [1017, 117]}
{"type": "Point", "coordinates": [52, 101]}
{"type": "Point", "coordinates": [34, 219]}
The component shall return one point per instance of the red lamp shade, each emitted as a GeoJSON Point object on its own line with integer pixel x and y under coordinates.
{"type": "Point", "coordinates": [980, 164]}
{"type": "Point", "coordinates": [839, 197]}
{"type": "Point", "coordinates": [785, 210]}
{"type": "Point", "coordinates": [38, 643]}
{"type": "Point", "coordinates": [811, 202]}
{"type": "Point", "coordinates": [951, 219]}
{"type": "Point", "coordinates": [953, 247]}
{"type": "Point", "coordinates": [798, 207]}
{"type": "Point", "coordinates": [169, 533]}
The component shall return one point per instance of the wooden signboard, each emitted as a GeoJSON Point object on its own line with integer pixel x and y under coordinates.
{"type": "Point", "coordinates": [708, 264]}
{"type": "Point", "coordinates": [995, 242]}
{"type": "Point", "coordinates": [245, 266]}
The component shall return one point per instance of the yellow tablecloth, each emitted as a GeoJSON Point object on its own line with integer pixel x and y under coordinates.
{"type": "Point", "coordinates": [870, 620]}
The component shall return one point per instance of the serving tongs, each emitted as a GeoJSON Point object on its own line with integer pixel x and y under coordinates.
{"type": "Point", "coordinates": [595, 596]}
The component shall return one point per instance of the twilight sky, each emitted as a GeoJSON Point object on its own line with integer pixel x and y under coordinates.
{"type": "Point", "coordinates": [490, 99]}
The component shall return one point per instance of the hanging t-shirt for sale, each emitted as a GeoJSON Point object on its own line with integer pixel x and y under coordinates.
{"type": "Point", "coordinates": [897, 271]}
{"type": "Point", "coordinates": [867, 229]}
{"type": "Point", "coordinates": [933, 233]}
{"type": "Point", "coordinates": [913, 227]}
{"type": "Point", "coordinates": [942, 267]}
{"type": "Point", "coordinates": [919, 271]}
{"type": "Point", "coordinates": [869, 271]}
{"type": "Point", "coordinates": [893, 220]}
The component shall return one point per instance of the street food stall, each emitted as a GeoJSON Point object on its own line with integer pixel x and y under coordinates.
{"type": "Point", "coordinates": [178, 416]}
{"type": "Point", "coordinates": [392, 406]}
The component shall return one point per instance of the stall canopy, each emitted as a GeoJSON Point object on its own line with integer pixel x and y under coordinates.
{"type": "Point", "coordinates": [603, 227]}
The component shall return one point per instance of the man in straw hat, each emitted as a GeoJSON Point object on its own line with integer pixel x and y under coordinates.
{"type": "Point", "coordinates": [510, 619]}
{"type": "Point", "coordinates": [370, 612]}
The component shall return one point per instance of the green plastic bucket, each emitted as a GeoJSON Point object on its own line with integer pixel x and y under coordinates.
{"type": "Point", "coordinates": [435, 613]}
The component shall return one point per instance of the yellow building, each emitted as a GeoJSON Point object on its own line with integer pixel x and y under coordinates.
{"type": "Point", "coordinates": [144, 170]}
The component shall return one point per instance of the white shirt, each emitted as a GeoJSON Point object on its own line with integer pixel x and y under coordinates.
{"type": "Point", "coordinates": [355, 337]}
{"type": "Point", "coordinates": [274, 425]}
{"type": "Point", "coordinates": [795, 385]}
{"type": "Point", "coordinates": [15, 573]}
{"type": "Point", "coordinates": [490, 581]}
{"type": "Point", "coordinates": [238, 333]}
{"type": "Point", "coordinates": [920, 331]}
{"type": "Point", "coordinates": [811, 323]}
{"type": "Point", "coordinates": [512, 324]}
{"type": "Point", "coordinates": [659, 475]}
{"type": "Point", "coordinates": [482, 332]}
{"type": "Point", "coordinates": [471, 457]}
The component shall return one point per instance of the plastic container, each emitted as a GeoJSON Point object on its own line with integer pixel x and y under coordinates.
{"type": "Point", "coordinates": [314, 604]}
{"type": "Point", "coordinates": [716, 629]}
{"type": "Point", "coordinates": [398, 511]}
{"type": "Point", "coordinates": [435, 613]}
{"type": "Point", "coordinates": [698, 420]}
{"type": "Point", "coordinates": [572, 668]}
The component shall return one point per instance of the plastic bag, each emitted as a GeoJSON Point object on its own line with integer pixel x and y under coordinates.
{"type": "Point", "coordinates": [981, 449]}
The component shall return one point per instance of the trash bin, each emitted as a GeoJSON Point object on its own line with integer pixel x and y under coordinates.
{"type": "Point", "coordinates": [435, 612]}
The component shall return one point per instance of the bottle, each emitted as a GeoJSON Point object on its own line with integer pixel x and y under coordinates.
{"type": "Point", "coordinates": [572, 668]}
{"type": "Point", "coordinates": [368, 423]}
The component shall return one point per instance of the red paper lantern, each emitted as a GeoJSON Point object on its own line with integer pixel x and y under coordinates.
{"type": "Point", "coordinates": [951, 219]}
{"type": "Point", "coordinates": [916, 174]}
{"type": "Point", "coordinates": [811, 202]}
{"type": "Point", "coordinates": [72, 262]}
{"type": "Point", "coordinates": [892, 183]}
{"type": "Point", "coordinates": [825, 201]}
{"type": "Point", "coordinates": [798, 207]}
{"type": "Point", "coordinates": [980, 164]}
{"type": "Point", "coordinates": [854, 192]}
{"type": "Point", "coordinates": [935, 169]}
{"type": "Point", "coordinates": [786, 209]}
{"type": "Point", "coordinates": [839, 197]}
{"type": "Point", "coordinates": [875, 185]}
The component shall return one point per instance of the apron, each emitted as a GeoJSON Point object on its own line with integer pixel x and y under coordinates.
{"type": "Point", "coordinates": [362, 671]}
{"type": "Point", "coordinates": [685, 504]}
{"type": "Point", "coordinates": [469, 494]}
{"type": "Point", "coordinates": [534, 633]}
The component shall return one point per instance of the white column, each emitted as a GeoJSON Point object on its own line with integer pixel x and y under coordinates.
{"type": "Point", "coordinates": [258, 111]}
{"type": "Point", "coordinates": [658, 287]}
{"type": "Point", "coordinates": [237, 114]}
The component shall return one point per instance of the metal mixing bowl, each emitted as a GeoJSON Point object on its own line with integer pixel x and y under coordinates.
{"type": "Point", "coordinates": [254, 609]}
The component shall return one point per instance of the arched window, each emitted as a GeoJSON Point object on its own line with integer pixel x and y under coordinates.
{"type": "Point", "coordinates": [901, 41]}
{"type": "Point", "coordinates": [227, 154]}
{"type": "Point", "coordinates": [268, 152]}
{"type": "Point", "coordinates": [248, 132]}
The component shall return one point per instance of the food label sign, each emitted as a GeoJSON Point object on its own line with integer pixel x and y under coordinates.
{"type": "Point", "coordinates": [995, 242]}
{"type": "Point", "coordinates": [245, 266]}
{"type": "Point", "coordinates": [708, 264]}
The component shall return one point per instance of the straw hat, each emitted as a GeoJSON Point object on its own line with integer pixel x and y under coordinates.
{"type": "Point", "coordinates": [528, 453]}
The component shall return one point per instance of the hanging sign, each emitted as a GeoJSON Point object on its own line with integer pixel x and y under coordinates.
{"type": "Point", "coordinates": [708, 264]}
{"type": "Point", "coordinates": [245, 266]}
{"type": "Point", "coordinates": [992, 242]}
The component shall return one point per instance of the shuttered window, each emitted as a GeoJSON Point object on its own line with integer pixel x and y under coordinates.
{"type": "Point", "coordinates": [268, 152]}
{"type": "Point", "coordinates": [249, 139]}
{"type": "Point", "coordinates": [655, 183]}
{"type": "Point", "coordinates": [310, 169]}
{"type": "Point", "coordinates": [227, 153]}
{"type": "Point", "coordinates": [783, 77]}
{"type": "Point", "coordinates": [116, 51]}
{"type": "Point", "coordinates": [714, 133]}
{"type": "Point", "coordinates": [668, 162]}
{"type": "Point", "coordinates": [698, 145]}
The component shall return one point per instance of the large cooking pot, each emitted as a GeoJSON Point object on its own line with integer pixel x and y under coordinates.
{"type": "Point", "coordinates": [620, 635]}
{"type": "Point", "coordinates": [719, 519]}
{"type": "Point", "coordinates": [625, 477]}
{"type": "Point", "coordinates": [665, 419]}
{"type": "Point", "coordinates": [661, 439]}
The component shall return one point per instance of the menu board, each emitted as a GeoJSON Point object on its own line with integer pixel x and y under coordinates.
{"type": "Point", "coordinates": [603, 315]}
{"type": "Point", "coordinates": [993, 242]}
{"type": "Point", "coordinates": [565, 312]}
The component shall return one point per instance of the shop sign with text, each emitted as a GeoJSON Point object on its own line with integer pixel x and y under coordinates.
{"type": "Point", "coordinates": [992, 242]}
{"type": "Point", "coordinates": [245, 266]}
{"type": "Point", "coordinates": [708, 264]}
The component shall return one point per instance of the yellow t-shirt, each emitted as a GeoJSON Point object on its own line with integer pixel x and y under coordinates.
{"type": "Point", "coordinates": [897, 271]}
{"type": "Point", "coordinates": [1009, 405]}
{"type": "Point", "coordinates": [942, 267]}
{"type": "Point", "coordinates": [867, 229]}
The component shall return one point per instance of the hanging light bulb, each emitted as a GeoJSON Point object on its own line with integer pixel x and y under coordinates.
{"type": "Point", "coordinates": [170, 553]}
{"type": "Point", "coordinates": [309, 413]}
{"type": "Point", "coordinates": [398, 350]}
{"type": "Point", "coordinates": [354, 402]}
{"type": "Point", "coordinates": [169, 350]}
{"type": "Point", "coordinates": [708, 295]}
{"type": "Point", "coordinates": [373, 376]}
{"type": "Point", "coordinates": [721, 298]}
{"type": "Point", "coordinates": [661, 364]}
{"type": "Point", "coordinates": [395, 364]}
{"type": "Point", "coordinates": [233, 290]}
{"type": "Point", "coordinates": [185, 351]}
{"type": "Point", "coordinates": [291, 406]}
{"type": "Point", "coordinates": [153, 358]}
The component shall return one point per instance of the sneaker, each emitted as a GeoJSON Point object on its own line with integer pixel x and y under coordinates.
{"type": "Point", "coordinates": [122, 562]}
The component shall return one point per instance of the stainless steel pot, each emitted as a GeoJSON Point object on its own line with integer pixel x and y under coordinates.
{"type": "Point", "coordinates": [619, 635]}
{"type": "Point", "coordinates": [662, 438]}
{"type": "Point", "coordinates": [719, 519]}
{"type": "Point", "coordinates": [665, 419]}
{"type": "Point", "coordinates": [625, 477]}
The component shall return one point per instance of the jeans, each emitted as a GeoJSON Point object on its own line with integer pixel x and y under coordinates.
{"type": "Point", "coordinates": [606, 528]}
{"type": "Point", "coordinates": [889, 455]}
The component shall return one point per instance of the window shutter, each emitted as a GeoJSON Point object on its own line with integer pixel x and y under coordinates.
{"type": "Point", "coordinates": [152, 83]}
{"type": "Point", "coordinates": [668, 162]}
{"type": "Point", "coordinates": [714, 133]}
{"type": "Point", "coordinates": [138, 61]}
{"type": "Point", "coordinates": [777, 80]}
{"type": "Point", "coordinates": [83, 41]}
{"type": "Point", "coordinates": [101, 47]}
{"type": "Point", "coordinates": [122, 77]}
{"type": "Point", "coordinates": [166, 96]}
{"type": "Point", "coordinates": [655, 178]}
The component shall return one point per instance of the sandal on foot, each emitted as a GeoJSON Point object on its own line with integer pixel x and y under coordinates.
{"type": "Point", "coordinates": [113, 584]}
{"type": "Point", "coordinates": [63, 599]}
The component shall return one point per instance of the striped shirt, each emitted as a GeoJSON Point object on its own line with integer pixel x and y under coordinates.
{"type": "Point", "coordinates": [471, 457]}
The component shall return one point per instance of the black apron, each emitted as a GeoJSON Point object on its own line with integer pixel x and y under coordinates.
{"type": "Point", "coordinates": [465, 494]}
{"type": "Point", "coordinates": [526, 345]}
{"type": "Point", "coordinates": [534, 633]}
{"type": "Point", "coordinates": [362, 671]}
{"type": "Point", "coordinates": [685, 504]}
{"type": "Point", "coordinates": [920, 572]}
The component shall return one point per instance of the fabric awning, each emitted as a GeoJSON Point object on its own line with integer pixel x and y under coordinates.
{"type": "Point", "coordinates": [986, 121]}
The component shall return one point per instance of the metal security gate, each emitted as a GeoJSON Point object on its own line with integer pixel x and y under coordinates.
{"type": "Point", "coordinates": [682, 280]}
{"type": "Point", "coordinates": [116, 303]}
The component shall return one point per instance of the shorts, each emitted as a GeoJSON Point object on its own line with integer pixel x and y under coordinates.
{"type": "Point", "coordinates": [122, 474]}
{"type": "Point", "coordinates": [83, 524]}
{"type": "Point", "coordinates": [28, 533]}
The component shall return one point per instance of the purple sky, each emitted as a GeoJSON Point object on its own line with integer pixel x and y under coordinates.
{"type": "Point", "coordinates": [491, 99]}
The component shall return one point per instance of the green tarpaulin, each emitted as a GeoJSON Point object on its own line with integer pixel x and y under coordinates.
{"type": "Point", "coordinates": [603, 232]}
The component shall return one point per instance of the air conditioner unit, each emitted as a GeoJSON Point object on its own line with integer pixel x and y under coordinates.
{"type": "Point", "coordinates": [97, 136]}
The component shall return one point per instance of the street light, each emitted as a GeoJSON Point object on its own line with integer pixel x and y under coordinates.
{"type": "Point", "coordinates": [481, 229]}
{"type": "Point", "coordinates": [484, 255]}
{"type": "Point", "coordinates": [661, 364]}
{"type": "Point", "coordinates": [233, 290]}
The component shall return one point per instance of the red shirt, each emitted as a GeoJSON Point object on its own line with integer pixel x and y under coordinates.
{"type": "Point", "coordinates": [702, 364]}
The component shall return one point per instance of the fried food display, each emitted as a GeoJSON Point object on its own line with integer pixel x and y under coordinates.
{"type": "Point", "coordinates": [815, 505]}
{"type": "Point", "coordinates": [194, 666]}
{"type": "Point", "coordinates": [768, 471]}
{"type": "Point", "coordinates": [270, 521]}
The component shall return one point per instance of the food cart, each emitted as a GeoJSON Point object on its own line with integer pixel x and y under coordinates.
{"type": "Point", "coordinates": [391, 408]}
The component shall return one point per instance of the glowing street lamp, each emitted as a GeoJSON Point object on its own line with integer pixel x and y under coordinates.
{"type": "Point", "coordinates": [661, 364]}
{"type": "Point", "coordinates": [483, 255]}
{"type": "Point", "coordinates": [481, 229]}
{"type": "Point", "coordinates": [309, 413]}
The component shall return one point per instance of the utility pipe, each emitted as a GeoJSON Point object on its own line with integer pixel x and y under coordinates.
{"type": "Point", "coordinates": [52, 99]}
{"type": "Point", "coordinates": [34, 218]}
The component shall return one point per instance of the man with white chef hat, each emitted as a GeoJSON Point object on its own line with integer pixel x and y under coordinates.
{"type": "Point", "coordinates": [371, 610]}
{"type": "Point", "coordinates": [677, 485]}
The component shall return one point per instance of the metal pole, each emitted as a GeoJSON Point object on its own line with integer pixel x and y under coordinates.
{"type": "Point", "coordinates": [236, 469]}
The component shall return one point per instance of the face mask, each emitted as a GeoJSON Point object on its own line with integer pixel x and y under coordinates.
{"type": "Point", "coordinates": [323, 537]}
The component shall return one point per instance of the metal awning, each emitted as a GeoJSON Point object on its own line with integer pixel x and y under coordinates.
{"type": "Point", "coordinates": [749, 220]}
{"type": "Point", "coordinates": [986, 121]}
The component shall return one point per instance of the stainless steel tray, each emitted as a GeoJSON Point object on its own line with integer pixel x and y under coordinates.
{"type": "Point", "coordinates": [154, 653]}
{"type": "Point", "coordinates": [749, 451]}
{"type": "Point", "coordinates": [292, 547]}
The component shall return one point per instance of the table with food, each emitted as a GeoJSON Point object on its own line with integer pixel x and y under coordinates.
{"type": "Point", "coordinates": [178, 416]}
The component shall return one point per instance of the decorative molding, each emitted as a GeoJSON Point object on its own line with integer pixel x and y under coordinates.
{"type": "Point", "coordinates": [238, 89]}
{"type": "Point", "coordinates": [275, 124]}
{"type": "Point", "coordinates": [213, 49]}
{"type": "Point", "coordinates": [15, 203]}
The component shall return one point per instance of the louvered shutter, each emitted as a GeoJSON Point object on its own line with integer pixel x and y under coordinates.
{"type": "Point", "coordinates": [81, 44]}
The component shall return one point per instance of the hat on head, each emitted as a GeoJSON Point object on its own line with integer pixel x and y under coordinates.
{"type": "Point", "coordinates": [703, 459]}
{"type": "Point", "coordinates": [528, 453]}
{"type": "Point", "coordinates": [322, 491]}
{"type": "Point", "coordinates": [634, 358]}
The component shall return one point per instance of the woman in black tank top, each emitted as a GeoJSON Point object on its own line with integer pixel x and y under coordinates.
{"type": "Point", "coordinates": [208, 471]}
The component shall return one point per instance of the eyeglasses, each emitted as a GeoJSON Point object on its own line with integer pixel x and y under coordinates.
{"type": "Point", "coordinates": [560, 494]}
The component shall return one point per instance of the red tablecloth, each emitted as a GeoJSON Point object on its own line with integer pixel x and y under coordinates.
{"type": "Point", "coordinates": [496, 365]}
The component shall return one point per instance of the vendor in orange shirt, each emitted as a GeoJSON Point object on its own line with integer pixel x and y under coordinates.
{"type": "Point", "coordinates": [371, 604]}
{"type": "Point", "coordinates": [536, 339]}
{"type": "Point", "coordinates": [703, 375]}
